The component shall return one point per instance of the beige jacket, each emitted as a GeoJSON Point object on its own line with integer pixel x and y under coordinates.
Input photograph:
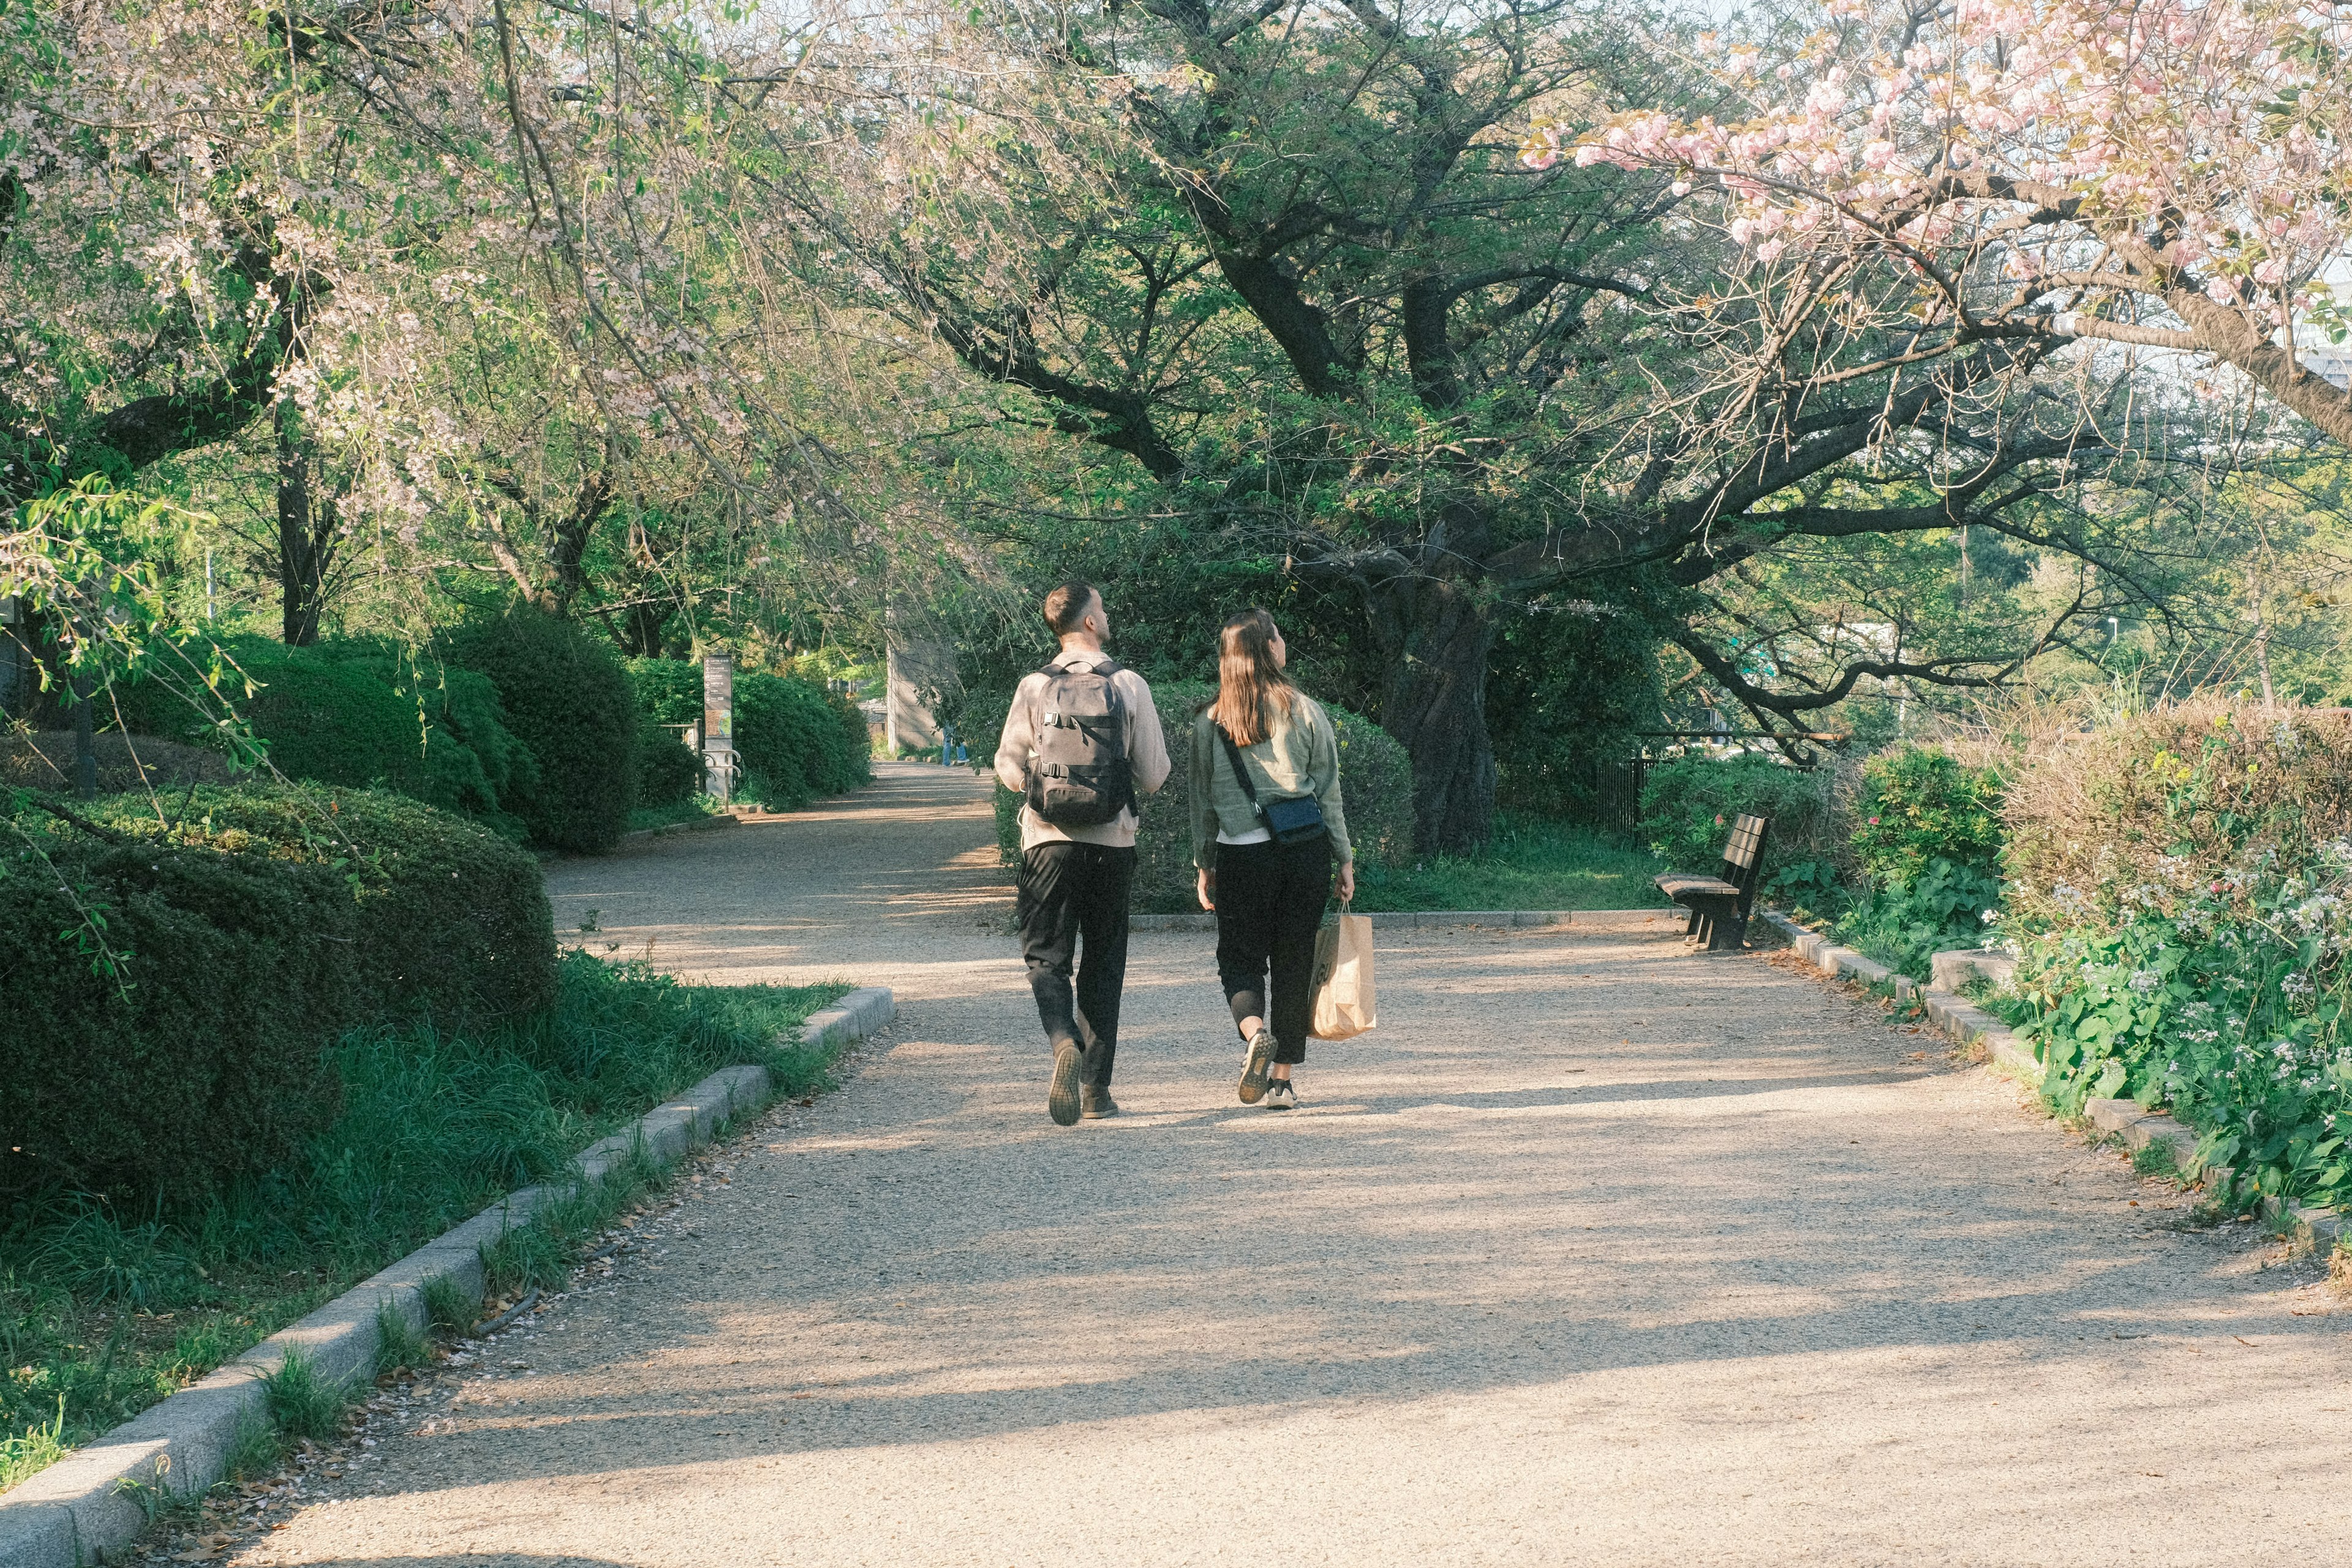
{"type": "Point", "coordinates": [1299, 756]}
{"type": "Point", "coordinates": [1147, 754]}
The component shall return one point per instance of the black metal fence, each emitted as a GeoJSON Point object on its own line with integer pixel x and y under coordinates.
{"type": "Point", "coordinates": [1597, 789]}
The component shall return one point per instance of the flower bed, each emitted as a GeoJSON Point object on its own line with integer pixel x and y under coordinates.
{"type": "Point", "coordinates": [2181, 884]}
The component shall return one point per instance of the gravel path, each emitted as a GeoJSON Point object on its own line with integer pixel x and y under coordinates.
{"type": "Point", "coordinates": [1596, 1252]}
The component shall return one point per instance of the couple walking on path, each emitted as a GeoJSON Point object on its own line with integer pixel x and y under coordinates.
{"type": "Point", "coordinates": [1083, 744]}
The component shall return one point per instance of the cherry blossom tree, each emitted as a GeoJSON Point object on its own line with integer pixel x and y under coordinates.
{"type": "Point", "coordinates": [472, 287]}
{"type": "Point", "coordinates": [2167, 174]}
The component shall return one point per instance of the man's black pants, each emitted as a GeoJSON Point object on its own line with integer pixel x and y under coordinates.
{"type": "Point", "coordinates": [1072, 902]}
{"type": "Point", "coordinates": [1270, 900]}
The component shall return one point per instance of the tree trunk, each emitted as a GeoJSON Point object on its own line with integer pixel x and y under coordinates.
{"type": "Point", "coordinates": [641, 628]}
{"type": "Point", "coordinates": [301, 546]}
{"type": "Point", "coordinates": [1436, 705]}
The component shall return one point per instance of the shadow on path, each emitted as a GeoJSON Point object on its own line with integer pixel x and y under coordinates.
{"type": "Point", "coordinates": [1594, 1252]}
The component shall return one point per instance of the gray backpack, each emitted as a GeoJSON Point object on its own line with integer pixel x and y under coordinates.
{"type": "Point", "coordinates": [1079, 773]}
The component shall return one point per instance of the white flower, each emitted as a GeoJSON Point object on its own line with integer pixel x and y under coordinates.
{"type": "Point", "coordinates": [2145, 980]}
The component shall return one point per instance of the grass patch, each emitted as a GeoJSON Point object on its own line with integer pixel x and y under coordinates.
{"type": "Point", "coordinates": [302, 1403]}
{"type": "Point", "coordinates": [398, 1343]}
{"type": "Point", "coordinates": [2156, 1157]}
{"type": "Point", "coordinates": [693, 810]}
{"type": "Point", "coordinates": [35, 1448]}
{"type": "Point", "coordinates": [103, 1311]}
{"type": "Point", "coordinates": [539, 1255]}
{"type": "Point", "coordinates": [447, 1307]}
{"type": "Point", "coordinates": [1530, 864]}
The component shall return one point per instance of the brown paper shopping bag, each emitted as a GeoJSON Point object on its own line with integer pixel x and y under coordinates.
{"type": "Point", "coordinates": [1344, 1005]}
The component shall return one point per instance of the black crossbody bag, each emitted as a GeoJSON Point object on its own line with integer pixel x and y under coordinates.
{"type": "Point", "coordinates": [1293, 819]}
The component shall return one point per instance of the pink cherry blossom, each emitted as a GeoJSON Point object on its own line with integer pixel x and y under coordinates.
{"type": "Point", "coordinates": [2183, 157]}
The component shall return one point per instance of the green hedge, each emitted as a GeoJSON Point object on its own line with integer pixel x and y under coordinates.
{"type": "Point", "coordinates": [252, 930]}
{"type": "Point", "coordinates": [1375, 787]}
{"type": "Point", "coordinates": [356, 711]}
{"type": "Point", "coordinates": [1688, 804]}
{"type": "Point", "coordinates": [784, 726]}
{"type": "Point", "coordinates": [796, 740]}
{"type": "Point", "coordinates": [668, 772]}
{"type": "Point", "coordinates": [569, 702]}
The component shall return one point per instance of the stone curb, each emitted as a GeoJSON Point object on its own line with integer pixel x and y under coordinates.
{"type": "Point", "coordinates": [2313, 1229]}
{"type": "Point", "coordinates": [1953, 1016]}
{"type": "Point", "coordinates": [85, 1508]}
{"type": "Point", "coordinates": [1437, 919]}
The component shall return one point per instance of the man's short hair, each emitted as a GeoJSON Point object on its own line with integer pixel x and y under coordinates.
{"type": "Point", "coordinates": [1067, 606]}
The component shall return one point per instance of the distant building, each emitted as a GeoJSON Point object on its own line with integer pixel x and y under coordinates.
{"type": "Point", "coordinates": [921, 672]}
{"type": "Point", "coordinates": [2328, 362]}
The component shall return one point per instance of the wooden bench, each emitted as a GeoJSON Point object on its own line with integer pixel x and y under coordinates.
{"type": "Point", "coordinates": [1719, 904]}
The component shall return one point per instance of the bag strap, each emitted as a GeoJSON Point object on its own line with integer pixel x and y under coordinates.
{"type": "Point", "coordinates": [1241, 774]}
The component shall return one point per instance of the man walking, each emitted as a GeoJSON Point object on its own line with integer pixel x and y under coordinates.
{"type": "Point", "coordinates": [1081, 743]}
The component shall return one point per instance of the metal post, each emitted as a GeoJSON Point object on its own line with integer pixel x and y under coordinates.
{"type": "Point", "coordinates": [85, 742]}
{"type": "Point", "coordinates": [890, 702]}
{"type": "Point", "coordinates": [12, 657]}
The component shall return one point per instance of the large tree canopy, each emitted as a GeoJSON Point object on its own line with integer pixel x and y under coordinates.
{"type": "Point", "coordinates": [471, 289]}
{"type": "Point", "coordinates": [679, 317]}
{"type": "Point", "coordinates": [1287, 258]}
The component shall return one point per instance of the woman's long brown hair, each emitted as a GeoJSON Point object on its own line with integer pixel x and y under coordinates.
{"type": "Point", "coordinates": [1248, 681]}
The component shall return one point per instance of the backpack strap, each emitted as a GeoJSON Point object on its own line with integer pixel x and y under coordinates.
{"type": "Point", "coordinates": [1108, 669]}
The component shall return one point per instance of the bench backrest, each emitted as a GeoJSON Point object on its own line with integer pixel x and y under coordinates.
{"type": "Point", "coordinates": [1743, 857]}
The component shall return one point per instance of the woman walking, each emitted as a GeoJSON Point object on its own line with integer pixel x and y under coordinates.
{"type": "Point", "coordinates": [1266, 828]}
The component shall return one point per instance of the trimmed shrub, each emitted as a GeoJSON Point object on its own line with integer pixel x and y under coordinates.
{"type": "Point", "coordinates": [207, 1062]}
{"type": "Point", "coordinates": [568, 702]}
{"type": "Point", "coordinates": [355, 711]}
{"type": "Point", "coordinates": [455, 920]}
{"type": "Point", "coordinates": [44, 761]}
{"type": "Point", "coordinates": [253, 930]}
{"type": "Point", "coordinates": [667, 691]}
{"type": "Point", "coordinates": [1375, 788]}
{"type": "Point", "coordinates": [796, 740]}
{"type": "Point", "coordinates": [668, 773]}
{"type": "Point", "coordinates": [1688, 804]}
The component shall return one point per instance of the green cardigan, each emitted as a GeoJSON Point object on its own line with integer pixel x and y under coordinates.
{"type": "Point", "coordinates": [1299, 757]}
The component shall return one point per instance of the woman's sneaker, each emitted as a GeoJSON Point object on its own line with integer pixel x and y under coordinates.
{"type": "Point", "coordinates": [1280, 1096]}
{"type": "Point", "coordinates": [1257, 1066]}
